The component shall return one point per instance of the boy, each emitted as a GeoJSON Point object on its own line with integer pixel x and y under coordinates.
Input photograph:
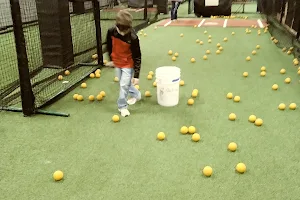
{"type": "Point", "coordinates": [175, 6]}
{"type": "Point", "coordinates": [124, 50]}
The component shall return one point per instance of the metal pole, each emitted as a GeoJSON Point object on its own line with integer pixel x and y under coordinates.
{"type": "Point", "coordinates": [297, 10]}
{"type": "Point", "coordinates": [27, 96]}
{"type": "Point", "coordinates": [145, 9]}
{"type": "Point", "coordinates": [96, 8]}
{"type": "Point", "coordinates": [282, 10]}
{"type": "Point", "coordinates": [298, 31]}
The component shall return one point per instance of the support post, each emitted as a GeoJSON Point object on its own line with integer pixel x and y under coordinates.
{"type": "Point", "coordinates": [282, 10]}
{"type": "Point", "coordinates": [145, 9]}
{"type": "Point", "coordinates": [297, 11]}
{"type": "Point", "coordinates": [27, 96]}
{"type": "Point", "coordinates": [298, 32]}
{"type": "Point", "coordinates": [96, 10]}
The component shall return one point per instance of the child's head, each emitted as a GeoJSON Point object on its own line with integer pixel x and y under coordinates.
{"type": "Point", "coordinates": [124, 22]}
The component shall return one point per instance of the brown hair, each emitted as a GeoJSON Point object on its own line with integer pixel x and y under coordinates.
{"type": "Point", "coordinates": [124, 18]}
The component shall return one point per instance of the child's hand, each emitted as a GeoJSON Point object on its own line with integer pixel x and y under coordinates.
{"type": "Point", "coordinates": [135, 81]}
{"type": "Point", "coordinates": [110, 64]}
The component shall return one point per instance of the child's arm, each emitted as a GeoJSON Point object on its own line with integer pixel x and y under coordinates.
{"type": "Point", "coordinates": [109, 42]}
{"type": "Point", "coordinates": [136, 56]}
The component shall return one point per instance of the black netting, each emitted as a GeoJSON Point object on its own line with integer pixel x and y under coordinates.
{"type": "Point", "coordinates": [244, 6]}
{"type": "Point", "coordinates": [9, 74]}
{"type": "Point", "coordinates": [44, 79]}
{"type": "Point", "coordinates": [109, 8]}
{"type": "Point", "coordinates": [283, 18]}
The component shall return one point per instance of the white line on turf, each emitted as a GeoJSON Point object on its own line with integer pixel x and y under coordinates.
{"type": "Point", "coordinates": [225, 23]}
{"type": "Point", "coordinates": [168, 23]}
{"type": "Point", "coordinates": [260, 23]}
{"type": "Point", "coordinates": [138, 10]}
{"type": "Point", "coordinates": [201, 23]}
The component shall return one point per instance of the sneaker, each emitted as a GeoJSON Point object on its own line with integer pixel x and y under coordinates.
{"type": "Point", "coordinates": [124, 112]}
{"type": "Point", "coordinates": [132, 101]}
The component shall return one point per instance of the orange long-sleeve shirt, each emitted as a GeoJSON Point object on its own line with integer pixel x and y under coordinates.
{"type": "Point", "coordinates": [125, 50]}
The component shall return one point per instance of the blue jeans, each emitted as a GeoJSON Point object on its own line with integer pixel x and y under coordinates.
{"type": "Point", "coordinates": [125, 76]}
{"type": "Point", "coordinates": [175, 6]}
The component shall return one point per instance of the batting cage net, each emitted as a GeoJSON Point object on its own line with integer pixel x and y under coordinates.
{"type": "Point", "coordinates": [8, 57]}
{"type": "Point", "coordinates": [47, 47]}
{"type": "Point", "coordinates": [135, 7]}
{"type": "Point", "coordinates": [244, 6]}
{"type": "Point", "coordinates": [283, 18]}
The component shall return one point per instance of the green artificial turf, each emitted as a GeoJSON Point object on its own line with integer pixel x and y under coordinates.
{"type": "Point", "coordinates": [105, 160]}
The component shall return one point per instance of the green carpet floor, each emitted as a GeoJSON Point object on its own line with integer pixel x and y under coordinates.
{"type": "Point", "coordinates": [105, 160]}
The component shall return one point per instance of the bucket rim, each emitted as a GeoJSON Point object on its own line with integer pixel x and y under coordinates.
{"type": "Point", "coordinates": [174, 69]}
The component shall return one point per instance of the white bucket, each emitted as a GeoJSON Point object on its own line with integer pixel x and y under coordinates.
{"type": "Point", "coordinates": [167, 80]}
